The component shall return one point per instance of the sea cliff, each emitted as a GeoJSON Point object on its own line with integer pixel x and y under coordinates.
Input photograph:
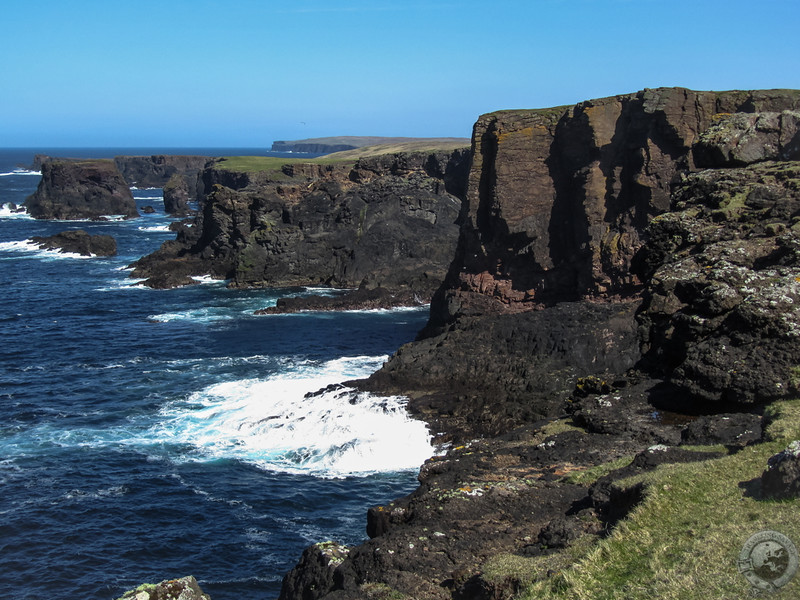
{"type": "Point", "coordinates": [624, 289]}
{"type": "Point", "coordinates": [389, 221]}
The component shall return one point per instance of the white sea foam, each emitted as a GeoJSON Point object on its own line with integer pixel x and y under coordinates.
{"type": "Point", "coordinates": [7, 213]}
{"type": "Point", "coordinates": [280, 424]}
{"type": "Point", "coordinates": [30, 248]}
{"type": "Point", "coordinates": [205, 279]}
{"type": "Point", "coordinates": [159, 228]}
{"type": "Point", "coordinates": [20, 172]}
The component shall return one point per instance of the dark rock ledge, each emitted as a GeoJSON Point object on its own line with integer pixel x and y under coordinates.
{"type": "Point", "coordinates": [80, 242]}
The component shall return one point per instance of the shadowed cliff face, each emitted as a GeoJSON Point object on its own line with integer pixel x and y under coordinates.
{"type": "Point", "coordinates": [558, 199]}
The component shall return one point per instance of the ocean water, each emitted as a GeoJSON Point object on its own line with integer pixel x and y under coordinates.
{"type": "Point", "coordinates": [149, 434]}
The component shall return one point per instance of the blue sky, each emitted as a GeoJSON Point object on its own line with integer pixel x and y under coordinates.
{"type": "Point", "coordinates": [234, 73]}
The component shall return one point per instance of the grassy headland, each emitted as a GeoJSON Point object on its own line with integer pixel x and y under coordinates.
{"type": "Point", "coordinates": [683, 540]}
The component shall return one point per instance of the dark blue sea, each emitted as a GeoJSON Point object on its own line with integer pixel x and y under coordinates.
{"type": "Point", "coordinates": [150, 434]}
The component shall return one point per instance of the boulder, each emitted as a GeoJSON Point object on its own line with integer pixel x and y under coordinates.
{"type": "Point", "coordinates": [80, 242]}
{"type": "Point", "coordinates": [79, 190]}
{"type": "Point", "coordinates": [185, 588]}
{"type": "Point", "coordinates": [781, 479]}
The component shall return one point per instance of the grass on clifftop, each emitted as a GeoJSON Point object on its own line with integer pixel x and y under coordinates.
{"type": "Point", "coordinates": [251, 164]}
{"type": "Point", "coordinates": [683, 540]}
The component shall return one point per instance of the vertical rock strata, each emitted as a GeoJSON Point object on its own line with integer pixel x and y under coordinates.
{"type": "Point", "coordinates": [559, 199]}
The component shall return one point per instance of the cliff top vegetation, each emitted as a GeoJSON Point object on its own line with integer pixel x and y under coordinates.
{"type": "Point", "coordinates": [273, 163]}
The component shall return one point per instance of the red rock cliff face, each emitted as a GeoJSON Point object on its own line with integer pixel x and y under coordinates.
{"type": "Point", "coordinates": [558, 199]}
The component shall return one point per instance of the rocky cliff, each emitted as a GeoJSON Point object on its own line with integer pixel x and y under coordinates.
{"type": "Point", "coordinates": [81, 189]}
{"type": "Point", "coordinates": [388, 221]}
{"type": "Point", "coordinates": [630, 262]}
{"type": "Point", "coordinates": [156, 170]}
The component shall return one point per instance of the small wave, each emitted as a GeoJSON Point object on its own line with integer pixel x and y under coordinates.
{"type": "Point", "coordinates": [159, 228]}
{"type": "Point", "coordinates": [32, 249]}
{"type": "Point", "coordinates": [205, 279]}
{"type": "Point", "coordinates": [6, 212]}
{"type": "Point", "coordinates": [20, 172]}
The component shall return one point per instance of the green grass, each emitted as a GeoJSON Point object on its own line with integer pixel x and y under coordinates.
{"type": "Point", "coordinates": [683, 540]}
{"type": "Point", "coordinates": [254, 164]}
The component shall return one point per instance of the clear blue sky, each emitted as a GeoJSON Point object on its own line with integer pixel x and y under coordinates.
{"type": "Point", "coordinates": [247, 72]}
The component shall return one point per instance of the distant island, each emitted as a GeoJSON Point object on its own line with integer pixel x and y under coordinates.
{"type": "Point", "coordinates": [328, 145]}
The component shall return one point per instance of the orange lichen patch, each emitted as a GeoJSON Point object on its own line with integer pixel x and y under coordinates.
{"type": "Point", "coordinates": [525, 131]}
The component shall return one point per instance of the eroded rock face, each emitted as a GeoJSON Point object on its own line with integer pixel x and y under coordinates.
{"type": "Point", "coordinates": [87, 189]}
{"type": "Point", "coordinates": [741, 139]}
{"type": "Point", "coordinates": [156, 170]}
{"type": "Point", "coordinates": [559, 199]}
{"type": "Point", "coordinates": [389, 221]}
{"type": "Point", "coordinates": [721, 313]}
{"type": "Point", "coordinates": [493, 373]}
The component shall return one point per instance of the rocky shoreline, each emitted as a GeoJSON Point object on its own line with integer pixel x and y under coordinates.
{"type": "Point", "coordinates": [623, 290]}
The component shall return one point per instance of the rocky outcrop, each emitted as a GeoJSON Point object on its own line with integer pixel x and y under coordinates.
{"type": "Point", "coordinates": [781, 479]}
{"type": "Point", "coordinates": [493, 373]}
{"type": "Point", "coordinates": [156, 170]}
{"type": "Point", "coordinates": [86, 189]}
{"type": "Point", "coordinates": [364, 298]}
{"type": "Point", "coordinates": [185, 588]}
{"type": "Point", "coordinates": [80, 242]}
{"type": "Point", "coordinates": [388, 221]}
{"type": "Point", "coordinates": [176, 195]}
{"type": "Point", "coordinates": [720, 317]}
{"type": "Point", "coordinates": [559, 199]}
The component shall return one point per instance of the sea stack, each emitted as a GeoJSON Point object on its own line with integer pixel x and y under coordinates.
{"type": "Point", "coordinates": [81, 189]}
